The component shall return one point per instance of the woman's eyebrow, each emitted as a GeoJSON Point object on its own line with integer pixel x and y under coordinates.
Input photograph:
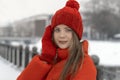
{"type": "Point", "coordinates": [67, 28]}
{"type": "Point", "coordinates": [56, 28]}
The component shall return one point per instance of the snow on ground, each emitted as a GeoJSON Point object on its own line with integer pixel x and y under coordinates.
{"type": "Point", "coordinates": [108, 51]}
{"type": "Point", "coordinates": [8, 71]}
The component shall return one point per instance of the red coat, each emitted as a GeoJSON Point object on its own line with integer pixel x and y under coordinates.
{"type": "Point", "coordinates": [40, 70]}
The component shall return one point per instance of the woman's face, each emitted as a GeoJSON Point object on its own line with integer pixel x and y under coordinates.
{"type": "Point", "coordinates": [62, 36]}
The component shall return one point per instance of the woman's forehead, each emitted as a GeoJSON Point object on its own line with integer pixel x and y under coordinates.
{"type": "Point", "coordinates": [62, 26]}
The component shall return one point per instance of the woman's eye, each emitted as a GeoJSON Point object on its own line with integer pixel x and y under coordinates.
{"type": "Point", "coordinates": [68, 30]}
{"type": "Point", "coordinates": [56, 30]}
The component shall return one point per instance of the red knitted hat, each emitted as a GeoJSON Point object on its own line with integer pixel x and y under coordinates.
{"type": "Point", "coordinates": [70, 16]}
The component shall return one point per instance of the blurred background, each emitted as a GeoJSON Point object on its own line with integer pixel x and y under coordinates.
{"type": "Point", "coordinates": [22, 23]}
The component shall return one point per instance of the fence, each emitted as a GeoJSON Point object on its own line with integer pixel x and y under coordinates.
{"type": "Point", "coordinates": [20, 56]}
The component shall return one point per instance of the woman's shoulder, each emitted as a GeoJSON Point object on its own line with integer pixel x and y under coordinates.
{"type": "Point", "coordinates": [84, 71]}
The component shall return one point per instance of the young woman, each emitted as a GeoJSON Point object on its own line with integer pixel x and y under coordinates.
{"type": "Point", "coordinates": [64, 56]}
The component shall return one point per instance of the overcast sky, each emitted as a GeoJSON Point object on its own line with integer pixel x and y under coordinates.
{"type": "Point", "coordinates": [11, 10]}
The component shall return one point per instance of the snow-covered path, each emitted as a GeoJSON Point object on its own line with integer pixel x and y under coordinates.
{"type": "Point", "coordinates": [8, 71]}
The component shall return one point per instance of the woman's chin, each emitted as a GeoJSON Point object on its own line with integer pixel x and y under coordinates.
{"type": "Point", "coordinates": [63, 47]}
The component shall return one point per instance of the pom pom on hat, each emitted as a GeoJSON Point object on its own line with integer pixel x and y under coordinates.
{"type": "Point", "coordinates": [70, 16]}
{"type": "Point", "coordinates": [73, 4]}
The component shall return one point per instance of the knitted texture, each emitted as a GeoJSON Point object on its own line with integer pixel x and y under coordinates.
{"type": "Point", "coordinates": [70, 16]}
{"type": "Point", "coordinates": [48, 48]}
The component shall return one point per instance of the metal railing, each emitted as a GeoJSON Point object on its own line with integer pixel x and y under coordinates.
{"type": "Point", "coordinates": [18, 55]}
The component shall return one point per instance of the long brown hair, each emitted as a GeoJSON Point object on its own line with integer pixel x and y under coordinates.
{"type": "Point", "coordinates": [75, 59]}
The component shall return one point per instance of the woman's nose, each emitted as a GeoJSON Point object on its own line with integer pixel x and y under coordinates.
{"type": "Point", "coordinates": [62, 34]}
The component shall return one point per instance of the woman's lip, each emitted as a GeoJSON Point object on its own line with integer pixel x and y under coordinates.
{"type": "Point", "coordinates": [62, 42]}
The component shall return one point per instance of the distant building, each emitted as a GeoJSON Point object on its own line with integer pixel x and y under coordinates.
{"type": "Point", "coordinates": [31, 27]}
{"type": "Point", "coordinates": [6, 31]}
